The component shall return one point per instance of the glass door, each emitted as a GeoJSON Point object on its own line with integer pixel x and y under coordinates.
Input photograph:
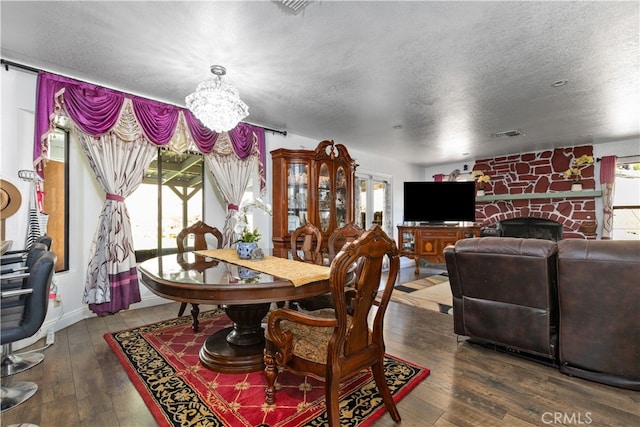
{"type": "Point", "coordinates": [297, 195]}
{"type": "Point", "coordinates": [373, 202]}
{"type": "Point", "coordinates": [324, 197]}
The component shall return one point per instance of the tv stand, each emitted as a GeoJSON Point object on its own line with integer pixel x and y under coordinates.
{"type": "Point", "coordinates": [429, 241]}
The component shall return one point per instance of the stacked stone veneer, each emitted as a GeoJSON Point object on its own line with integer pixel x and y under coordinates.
{"type": "Point", "coordinates": [539, 172]}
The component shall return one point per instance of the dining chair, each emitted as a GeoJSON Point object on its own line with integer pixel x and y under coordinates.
{"type": "Point", "coordinates": [333, 344]}
{"type": "Point", "coordinates": [200, 231]}
{"type": "Point", "coordinates": [306, 244]}
{"type": "Point", "coordinates": [348, 233]}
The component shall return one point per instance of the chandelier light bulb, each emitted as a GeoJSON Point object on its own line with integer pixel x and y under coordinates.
{"type": "Point", "coordinates": [216, 103]}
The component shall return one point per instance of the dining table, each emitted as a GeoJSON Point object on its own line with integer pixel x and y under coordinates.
{"type": "Point", "coordinates": [244, 288]}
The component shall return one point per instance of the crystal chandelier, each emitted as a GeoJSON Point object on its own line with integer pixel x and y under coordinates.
{"type": "Point", "coordinates": [216, 103]}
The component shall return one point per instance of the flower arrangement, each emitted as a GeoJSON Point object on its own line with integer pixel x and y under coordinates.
{"type": "Point", "coordinates": [578, 164]}
{"type": "Point", "coordinates": [481, 178]}
{"type": "Point", "coordinates": [241, 228]}
{"type": "Point", "coordinates": [249, 236]}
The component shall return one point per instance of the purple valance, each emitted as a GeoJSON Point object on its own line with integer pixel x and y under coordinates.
{"type": "Point", "coordinates": [95, 110]}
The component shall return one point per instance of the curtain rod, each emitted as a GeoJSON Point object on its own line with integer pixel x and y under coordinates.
{"type": "Point", "coordinates": [8, 64]}
{"type": "Point", "coordinates": [620, 157]}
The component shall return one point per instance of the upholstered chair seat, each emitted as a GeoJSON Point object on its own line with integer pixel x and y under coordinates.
{"type": "Point", "coordinates": [311, 342]}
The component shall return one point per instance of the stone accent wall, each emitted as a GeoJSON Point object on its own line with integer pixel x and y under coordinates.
{"type": "Point", "coordinates": [539, 172]}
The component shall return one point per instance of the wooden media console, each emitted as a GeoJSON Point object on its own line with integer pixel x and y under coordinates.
{"type": "Point", "coordinates": [429, 241]}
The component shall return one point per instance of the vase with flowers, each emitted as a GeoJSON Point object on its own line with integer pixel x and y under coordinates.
{"type": "Point", "coordinates": [574, 172]}
{"type": "Point", "coordinates": [247, 240]}
{"type": "Point", "coordinates": [481, 179]}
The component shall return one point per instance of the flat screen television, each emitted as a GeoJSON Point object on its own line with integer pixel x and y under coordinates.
{"type": "Point", "coordinates": [439, 202]}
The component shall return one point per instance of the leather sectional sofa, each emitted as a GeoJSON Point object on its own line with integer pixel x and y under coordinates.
{"type": "Point", "coordinates": [574, 304]}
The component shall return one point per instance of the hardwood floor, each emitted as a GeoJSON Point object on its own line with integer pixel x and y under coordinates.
{"type": "Point", "coordinates": [81, 382]}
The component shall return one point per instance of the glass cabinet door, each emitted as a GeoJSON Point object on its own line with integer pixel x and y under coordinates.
{"type": "Point", "coordinates": [341, 197]}
{"type": "Point", "coordinates": [324, 197]}
{"type": "Point", "coordinates": [297, 195]}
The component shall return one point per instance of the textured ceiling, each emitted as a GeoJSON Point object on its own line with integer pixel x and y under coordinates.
{"type": "Point", "coordinates": [450, 74]}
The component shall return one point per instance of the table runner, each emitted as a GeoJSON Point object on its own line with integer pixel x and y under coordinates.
{"type": "Point", "coordinates": [299, 273]}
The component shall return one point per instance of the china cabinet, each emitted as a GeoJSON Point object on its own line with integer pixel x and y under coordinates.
{"type": "Point", "coordinates": [314, 186]}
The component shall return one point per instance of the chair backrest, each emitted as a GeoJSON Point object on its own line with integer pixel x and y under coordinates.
{"type": "Point", "coordinates": [33, 306]}
{"type": "Point", "coordinates": [34, 254]}
{"type": "Point", "coordinates": [46, 240]}
{"type": "Point", "coordinates": [306, 243]}
{"type": "Point", "coordinates": [502, 286]}
{"type": "Point", "coordinates": [342, 235]}
{"type": "Point", "coordinates": [199, 230]}
{"type": "Point", "coordinates": [368, 252]}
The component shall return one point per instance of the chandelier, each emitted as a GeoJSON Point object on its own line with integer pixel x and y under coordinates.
{"type": "Point", "coordinates": [216, 103]}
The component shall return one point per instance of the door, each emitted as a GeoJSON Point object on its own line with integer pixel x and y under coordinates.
{"type": "Point", "coordinates": [373, 201]}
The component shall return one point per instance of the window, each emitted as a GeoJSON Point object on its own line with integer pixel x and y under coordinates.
{"type": "Point", "coordinates": [626, 202]}
{"type": "Point", "coordinates": [56, 200]}
{"type": "Point", "coordinates": [169, 199]}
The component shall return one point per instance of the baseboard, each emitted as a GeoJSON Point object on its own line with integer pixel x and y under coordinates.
{"type": "Point", "coordinates": [58, 319]}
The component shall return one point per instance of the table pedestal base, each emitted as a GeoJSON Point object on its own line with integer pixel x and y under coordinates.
{"type": "Point", "coordinates": [219, 355]}
{"type": "Point", "coordinates": [239, 348]}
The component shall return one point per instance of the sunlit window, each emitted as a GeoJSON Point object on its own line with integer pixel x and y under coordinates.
{"type": "Point", "coordinates": [626, 202]}
{"type": "Point", "coordinates": [169, 199]}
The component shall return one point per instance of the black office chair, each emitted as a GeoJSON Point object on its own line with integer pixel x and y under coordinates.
{"type": "Point", "coordinates": [17, 272]}
{"type": "Point", "coordinates": [20, 256]}
{"type": "Point", "coordinates": [22, 314]}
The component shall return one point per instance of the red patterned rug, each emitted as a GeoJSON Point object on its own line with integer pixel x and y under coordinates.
{"type": "Point", "coordinates": [162, 361]}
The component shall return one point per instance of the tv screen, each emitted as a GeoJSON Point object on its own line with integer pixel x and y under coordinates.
{"type": "Point", "coordinates": [439, 202]}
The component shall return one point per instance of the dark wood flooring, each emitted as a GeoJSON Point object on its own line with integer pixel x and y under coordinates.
{"type": "Point", "coordinates": [83, 384]}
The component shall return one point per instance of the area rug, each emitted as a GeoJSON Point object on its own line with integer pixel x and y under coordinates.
{"type": "Point", "coordinates": [162, 361]}
{"type": "Point", "coordinates": [431, 293]}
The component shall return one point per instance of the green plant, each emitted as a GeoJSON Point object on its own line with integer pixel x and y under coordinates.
{"type": "Point", "coordinates": [249, 236]}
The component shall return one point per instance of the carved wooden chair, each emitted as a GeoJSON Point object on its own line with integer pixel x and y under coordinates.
{"type": "Point", "coordinates": [342, 235]}
{"type": "Point", "coordinates": [200, 231]}
{"type": "Point", "coordinates": [306, 244]}
{"type": "Point", "coordinates": [332, 344]}
{"type": "Point", "coordinates": [337, 240]}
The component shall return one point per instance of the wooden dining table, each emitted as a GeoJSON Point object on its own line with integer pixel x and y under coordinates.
{"type": "Point", "coordinates": [245, 293]}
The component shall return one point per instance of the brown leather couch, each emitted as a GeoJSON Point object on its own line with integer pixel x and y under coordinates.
{"type": "Point", "coordinates": [599, 300]}
{"type": "Point", "coordinates": [574, 304]}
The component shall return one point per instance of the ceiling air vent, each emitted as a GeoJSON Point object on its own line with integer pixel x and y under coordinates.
{"type": "Point", "coordinates": [294, 6]}
{"type": "Point", "coordinates": [508, 133]}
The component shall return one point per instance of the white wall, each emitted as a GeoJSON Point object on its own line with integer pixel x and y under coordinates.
{"type": "Point", "coordinates": [86, 196]}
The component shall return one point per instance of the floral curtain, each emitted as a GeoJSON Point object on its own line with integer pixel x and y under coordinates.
{"type": "Point", "coordinates": [119, 166]}
{"type": "Point", "coordinates": [607, 183]}
{"type": "Point", "coordinates": [117, 132]}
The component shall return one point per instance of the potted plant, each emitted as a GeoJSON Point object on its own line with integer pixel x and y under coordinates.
{"type": "Point", "coordinates": [575, 171]}
{"type": "Point", "coordinates": [248, 239]}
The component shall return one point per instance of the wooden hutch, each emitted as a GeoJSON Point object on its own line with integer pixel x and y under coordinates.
{"type": "Point", "coordinates": [314, 186]}
{"type": "Point", "coordinates": [429, 241]}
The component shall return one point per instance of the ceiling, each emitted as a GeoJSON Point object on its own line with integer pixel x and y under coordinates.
{"type": "Point", "coordinates": [421, 82]}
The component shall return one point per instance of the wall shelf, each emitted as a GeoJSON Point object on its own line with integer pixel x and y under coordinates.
{"type": "Point", "coordinates": [550, 195]}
